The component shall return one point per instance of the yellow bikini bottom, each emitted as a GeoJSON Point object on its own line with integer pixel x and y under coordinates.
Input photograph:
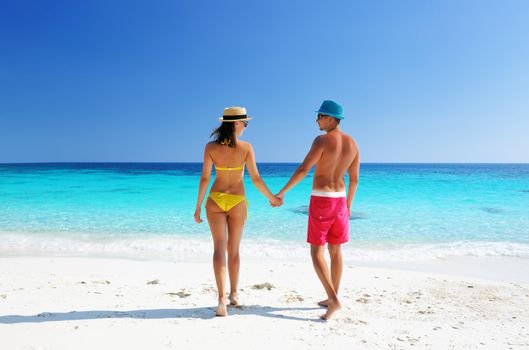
{"type": "Point", "coordinates": [226, 201]}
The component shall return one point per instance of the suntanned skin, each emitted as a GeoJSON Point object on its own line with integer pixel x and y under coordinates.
{"type": "Point", "coordinates": [334, 155]}
{"type": "Point", "coordinates": [230, 181]}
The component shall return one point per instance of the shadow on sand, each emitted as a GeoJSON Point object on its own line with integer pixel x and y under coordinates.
{"type": "Point", "coordinates": [198, 312]}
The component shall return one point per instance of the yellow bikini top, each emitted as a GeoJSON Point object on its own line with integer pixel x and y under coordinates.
{"type": "Point", "coordinates": [236, 168]}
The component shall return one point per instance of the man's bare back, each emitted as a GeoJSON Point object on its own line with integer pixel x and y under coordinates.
{"type": "Point", "coordinates": [338, 152]}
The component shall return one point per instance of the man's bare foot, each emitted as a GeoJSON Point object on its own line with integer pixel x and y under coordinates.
{"type": "Point", "coordinates": [221, 309]}
{"type": "Point", "coordinates": [332, 307]}
{"type": "Point", "coordinates": [324, 303]}
{"type": "Point", "coordinates": [234, 300]}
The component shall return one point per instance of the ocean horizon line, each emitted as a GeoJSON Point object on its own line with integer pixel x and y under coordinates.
{"type": "Point", "coordinates": [286, 163]}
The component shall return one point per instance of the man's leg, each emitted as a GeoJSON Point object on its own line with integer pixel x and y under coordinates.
{"type": "Point", "coordinates": [335, 251]}
{"type": "Point", "coordinates": [318, 260]}
{"type": "Point", "coordinates": [338, 234]}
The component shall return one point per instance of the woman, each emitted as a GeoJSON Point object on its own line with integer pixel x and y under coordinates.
{"type": "Point", "coordinates": [226, 206]}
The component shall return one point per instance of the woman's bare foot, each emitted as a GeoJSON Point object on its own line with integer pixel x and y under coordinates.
{"type": "Point", "coordinates": [324, 303]}
{"type": "Point", "coordinates": [221, 308]}
{"type": "Point", "coordinates": [332, 307]}
{"type": "Point", "coordinates": [234, 299]}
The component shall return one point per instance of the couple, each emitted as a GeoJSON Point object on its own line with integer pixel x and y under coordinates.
{"type": "Point", "coordinates": [334, 154]}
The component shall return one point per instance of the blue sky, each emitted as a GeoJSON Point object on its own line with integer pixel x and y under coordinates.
{"type": "Point", "coordinates": [420, 81]}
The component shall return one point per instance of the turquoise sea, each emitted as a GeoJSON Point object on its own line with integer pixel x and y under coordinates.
{"type": "Point", "coordinates": [145, 210]}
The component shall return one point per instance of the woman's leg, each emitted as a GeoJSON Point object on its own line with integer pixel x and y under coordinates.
{"type": "Point", "coordinates": [236, 219]}
{"type": "Point", "coordinates": [217, 220]}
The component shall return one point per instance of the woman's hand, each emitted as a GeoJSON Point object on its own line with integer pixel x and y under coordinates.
{"type": "Point", "coordinates": [197, 216]}
{"type": "Point", "coordinates": [276, 202]}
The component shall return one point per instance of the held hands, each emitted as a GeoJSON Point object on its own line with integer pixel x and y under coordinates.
{"type": "Point", "coordinates": [198, 220]}
{"type": "Point", "coordinates": [277, 200]}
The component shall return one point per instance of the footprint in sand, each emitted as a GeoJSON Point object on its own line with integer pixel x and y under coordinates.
{"type": "Point", "coordinates": [364, 299]}
{"type": "Point", "coordinates": [208, 289]}
{"type": "Point", "coordinates": [428, 311]}
{"type": "Point", "coordinates": [413, 340]}
{"type": "Point", "coordinates": [349, 320]}
{"type": "Point", "coordinates": [101, 282]}
{"type": "Point", "coordinates": [182, 294]}
{"type": "Point", "coordinates": [154, 282]}
{"type": "Point", "coordinates": [3, 296]}
{"type": "Point", "coordinates": [293, 298]}
{"type": "Point", "coordinates": [266, 285]}
{"type": "Point", "coordinates": [416, 294]}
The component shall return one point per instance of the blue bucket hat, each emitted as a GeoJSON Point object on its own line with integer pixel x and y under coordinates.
{"type": "Point", "coordinates": [329, 107]}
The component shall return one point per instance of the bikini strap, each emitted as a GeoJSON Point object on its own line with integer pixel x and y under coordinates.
{"type": "Point", "coordinates": [235, 168]}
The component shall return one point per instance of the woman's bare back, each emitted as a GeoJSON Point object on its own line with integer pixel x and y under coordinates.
{"type": "Point", "coordinates": [228, 181]}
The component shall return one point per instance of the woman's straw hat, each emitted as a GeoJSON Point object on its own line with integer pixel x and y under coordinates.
{"type": "Point", "coordinates": [233, 114]}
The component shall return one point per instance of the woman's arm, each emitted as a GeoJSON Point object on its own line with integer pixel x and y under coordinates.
{"type": "Point", "coordinates": [204, 183]}
{"type": "Point", "coordinates": [257, 180]}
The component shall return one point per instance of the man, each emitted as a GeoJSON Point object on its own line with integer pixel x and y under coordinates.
{"type": "Point", "coordinates": [334, 154]}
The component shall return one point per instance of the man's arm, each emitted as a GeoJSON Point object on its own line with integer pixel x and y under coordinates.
{"type": "Point", "coordinates": [354, 172]}
{"type": "Point", "coordinates": [311, 158]}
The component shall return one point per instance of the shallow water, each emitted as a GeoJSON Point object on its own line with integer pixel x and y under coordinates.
{"type": "Point", "coordinates": [407, 209]}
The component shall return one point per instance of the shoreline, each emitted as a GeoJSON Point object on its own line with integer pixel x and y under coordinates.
{"type": "Point", "coordinates": [484, 269]}
{"type": "Point", "coordinates": [494, 261]}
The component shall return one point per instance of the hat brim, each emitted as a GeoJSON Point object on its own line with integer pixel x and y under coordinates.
{"type": "Point", "coordinates": [234, 120]}
{"type": "Point", "coordinates": [337, 116]}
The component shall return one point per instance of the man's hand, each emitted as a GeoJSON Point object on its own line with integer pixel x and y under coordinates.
{"type": "Point", "coordinates": [276, 202]}
{"type": "Point", "coordinates": [198, 220]}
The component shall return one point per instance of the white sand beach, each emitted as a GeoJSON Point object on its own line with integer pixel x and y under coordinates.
{"type": "Point", "coordinates": [93, 303]}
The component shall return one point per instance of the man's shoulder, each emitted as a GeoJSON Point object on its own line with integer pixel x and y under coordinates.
{"type": "Point", "coordinates": [348, 138]}
{"type": "Point", "coordinates": [320, 140]}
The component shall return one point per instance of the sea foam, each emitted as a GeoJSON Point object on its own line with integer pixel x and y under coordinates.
{"type": "Point", "coordinates": [181, 248]}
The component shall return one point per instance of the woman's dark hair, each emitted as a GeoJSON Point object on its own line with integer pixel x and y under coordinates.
{"type": "Point", "coordinates": [225, 134]}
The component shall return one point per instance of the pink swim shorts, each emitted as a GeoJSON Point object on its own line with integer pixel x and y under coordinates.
{"type": "Point", "coordinates": [328, 218]}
